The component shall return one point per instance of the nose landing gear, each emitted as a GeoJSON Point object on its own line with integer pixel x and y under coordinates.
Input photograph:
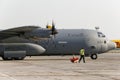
{"type": "Point", "coordinates": [94, 56]}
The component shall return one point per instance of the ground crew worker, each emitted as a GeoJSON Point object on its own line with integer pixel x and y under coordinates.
{"type": "Point", "coordinates": [82, 55]}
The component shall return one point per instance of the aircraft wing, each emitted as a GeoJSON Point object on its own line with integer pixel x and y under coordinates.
{"type": "Point", "coordinates": [16, 31]}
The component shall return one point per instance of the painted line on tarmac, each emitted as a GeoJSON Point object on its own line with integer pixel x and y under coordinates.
{"type": "Point", "coordinates": [7, 76]}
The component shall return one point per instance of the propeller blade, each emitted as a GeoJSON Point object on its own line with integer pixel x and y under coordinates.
{"type": "Point", "coordinates": [54, 31]}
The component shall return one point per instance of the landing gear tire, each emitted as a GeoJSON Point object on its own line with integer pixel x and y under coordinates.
{"type": "Point", "coordinates": [94, 56]}
{"type": "Point", "coordinates": [18, 58]}
{"type": "Point", "coordinates": [7, 58]}
{"type": "Point", "coordinates": [15, 58]}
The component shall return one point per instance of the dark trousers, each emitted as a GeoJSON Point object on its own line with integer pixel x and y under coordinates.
{"type": "Point", "coordinates": [82, 56]}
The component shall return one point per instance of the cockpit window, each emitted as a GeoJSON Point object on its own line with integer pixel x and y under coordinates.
{"type": "Point", "coordinates": [100, 34]}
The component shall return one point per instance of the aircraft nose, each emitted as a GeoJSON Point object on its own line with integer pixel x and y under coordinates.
{"type": "Point", "coordinates": [111, 45]}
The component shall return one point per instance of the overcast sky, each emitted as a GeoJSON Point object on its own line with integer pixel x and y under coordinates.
{"type": "Point", "coordinates": [73, 14]}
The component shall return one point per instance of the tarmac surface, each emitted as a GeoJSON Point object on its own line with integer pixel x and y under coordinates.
{"type": "Point", "coordinates": [106, 67]}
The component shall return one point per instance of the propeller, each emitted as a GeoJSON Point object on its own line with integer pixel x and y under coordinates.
{"type": "Point", "coordinates": [48, 26]}
{"type": "Point", "coordinates": [52, 28]}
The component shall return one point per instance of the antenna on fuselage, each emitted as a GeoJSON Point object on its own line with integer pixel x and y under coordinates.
{"type": "Point", "coordinates": [97, 28]}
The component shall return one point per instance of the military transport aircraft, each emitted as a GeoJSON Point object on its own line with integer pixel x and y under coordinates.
{"type": "Point", "coordinates": [17, 43]}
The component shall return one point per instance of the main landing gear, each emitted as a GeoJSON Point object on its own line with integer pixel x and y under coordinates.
{"type": "Point", "coordinates": [94, 56]}
{"type": "Point", "coordinates": [12, 58]}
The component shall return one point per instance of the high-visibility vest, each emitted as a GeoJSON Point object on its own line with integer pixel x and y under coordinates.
{"type": "Point", "coordinates": [82, 52]}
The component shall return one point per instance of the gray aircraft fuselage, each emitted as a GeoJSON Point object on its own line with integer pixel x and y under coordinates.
{"type": "Point", "coordinates": [70, 41]}
{"type": "Point", "coordinates": [67, 41]}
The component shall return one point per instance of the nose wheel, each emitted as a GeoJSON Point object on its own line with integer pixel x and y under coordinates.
{"type": "Point", "coordinates": [94, 56]}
